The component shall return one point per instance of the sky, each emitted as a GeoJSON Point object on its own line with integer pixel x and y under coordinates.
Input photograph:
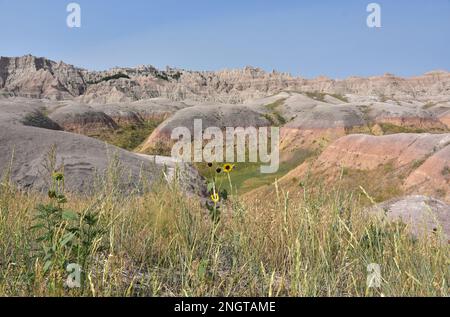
{"type": "Point", "coordinates": [303, 37]}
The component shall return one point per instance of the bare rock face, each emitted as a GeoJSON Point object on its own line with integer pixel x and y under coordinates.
{"type": "Point", "coordinates": [321, 122]}
{"type": "Point", "coordinates": [229, 86]}
{"type": "Point", "coordinates": [119, 90]}
{"type": "Point", "coordinates": [26, 112]}
{"type": "Point", "coordinates": [81, 157]}
{"type": "Point", "coordinates": [221, 116]}
{"type": "Point", "coordinates": [29, 76]}
{"type": "Point", "coordinates": [445, 118]}
{"type": "Point", "coordinates": [41, 78]}
{"type": "Point", "coordinates": [422, 215]}
{"type": "Point", "coordinates": [368, 152]}
{"type": "Point", "coordinates": [307, 121]}
{"type": "Point", "coordinates": [312, 122]}
{"type": "Point", "coordinates": [422, 158]}
{"type": "Point", "coordinates": [139, 111]}
{"type": "Point", "coordinates": [433, 174]}
{"type": "Point", "coordinates": [26, 140]}
{"type": "Point", "coordinates": [86, 162]}
{"type": "Point", "coordinates": [82, 119]}
{"type": "Point", "coordinates": [386, 86]}
{"type": "Point", "coordinates": [95, 118]}
{"type": "Point", "coordinates": [408, 116]}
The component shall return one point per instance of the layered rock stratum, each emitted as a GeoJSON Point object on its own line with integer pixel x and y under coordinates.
{"type": "Point", "coordinates": [37, 77]}
{"type": "Point", "coordinates": [418, 163]}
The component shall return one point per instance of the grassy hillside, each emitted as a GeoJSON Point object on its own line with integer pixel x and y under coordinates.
{"type": "Point", "coordinates": [164, 243]}
{"type": "Point", "coordinates": [129, 136]}
{"type": "Point", "coordinates": [248, 175]}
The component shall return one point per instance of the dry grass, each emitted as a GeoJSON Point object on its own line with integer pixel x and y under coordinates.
{"type": "Point", "coordinates": [163, 243]}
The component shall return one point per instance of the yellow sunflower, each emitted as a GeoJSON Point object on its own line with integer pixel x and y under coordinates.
{"type": "Point", "coordinates": [227, 168]}
{"type": "Point", "coordinates": [215, 198]}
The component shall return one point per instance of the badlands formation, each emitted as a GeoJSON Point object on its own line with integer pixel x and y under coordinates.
{"type": "Point", "coordinates": [394, 131]}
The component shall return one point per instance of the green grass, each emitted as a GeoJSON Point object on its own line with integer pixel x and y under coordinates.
{"type": "Point", "coordinates": [274, 116]}
{"type": "Point", "coordinates": [161, 243]}
{"type": "Point", "coordinates": [386, 128]}
{"type": "Point", "coordinates": [320, 96]}
{"type": "Point", "coordinates": [274, 105]}
{"type": "Point", "coordinates": [389, 128]}
{"type": "Point", "coordinates": [108, 78]}
{"type": "Point", "coordinates": [340, 97]}
{"type": "Point", "coordinates": [275, 119]}
{"type": "Point", "coordinates": [128, 137]}
{"type": "Point", "coordinates": [429, 105]}
{"type": "Point", "coordinates": [248, 176]}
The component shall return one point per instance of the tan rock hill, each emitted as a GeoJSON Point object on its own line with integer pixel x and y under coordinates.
{"type": "Point", "coordinates": [82, 119]}
{"type": "Point", "coordinates": [86, 119]}
{"type": "Point", "coordinates": [139, 111]}
{"type": "Point", "coordinates": [416, 163]}
{"type": "Point", "coordinates": [433, 174]}
{"type": "Point", "coordinates": [307, 122]}
{"type": "Point", "coordinates": [31, 76]}
{"type": "Point", "coordinates": [368, 152]}
{"type": "Point", "coordinates": [28, 112]}
{"type": "Point", "coordinates": [445, 118]}
{"type": "Point", "coordinates": [212, 115]}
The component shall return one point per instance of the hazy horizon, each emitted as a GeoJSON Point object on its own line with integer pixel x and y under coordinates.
{"type": "Point", "coordinates": [224, 69]}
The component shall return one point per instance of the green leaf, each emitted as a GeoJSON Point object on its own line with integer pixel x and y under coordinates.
{"type": "Point", "coordinates": [69, 215]}
{"type": "Point", "coordinates": [48, 256]}
{"type": "Point", "coordinates": [40, 216]}
{"type": "Point", "coordinates": [40, 239]}
{"type": "Point", "coordinates": [66, 239]}
{"type": "Point", "coordinates": [47, 265]}
{"type": "Point", "coordinates": [202, 268]}
{"type": "Point", "coordinates": [38, 226]}
{"type": "Point", "coordinates": [224, 194]}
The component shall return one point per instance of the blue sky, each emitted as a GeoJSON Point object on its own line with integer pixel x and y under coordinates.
{"type": "Point", "coordinates": [306, 38]}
